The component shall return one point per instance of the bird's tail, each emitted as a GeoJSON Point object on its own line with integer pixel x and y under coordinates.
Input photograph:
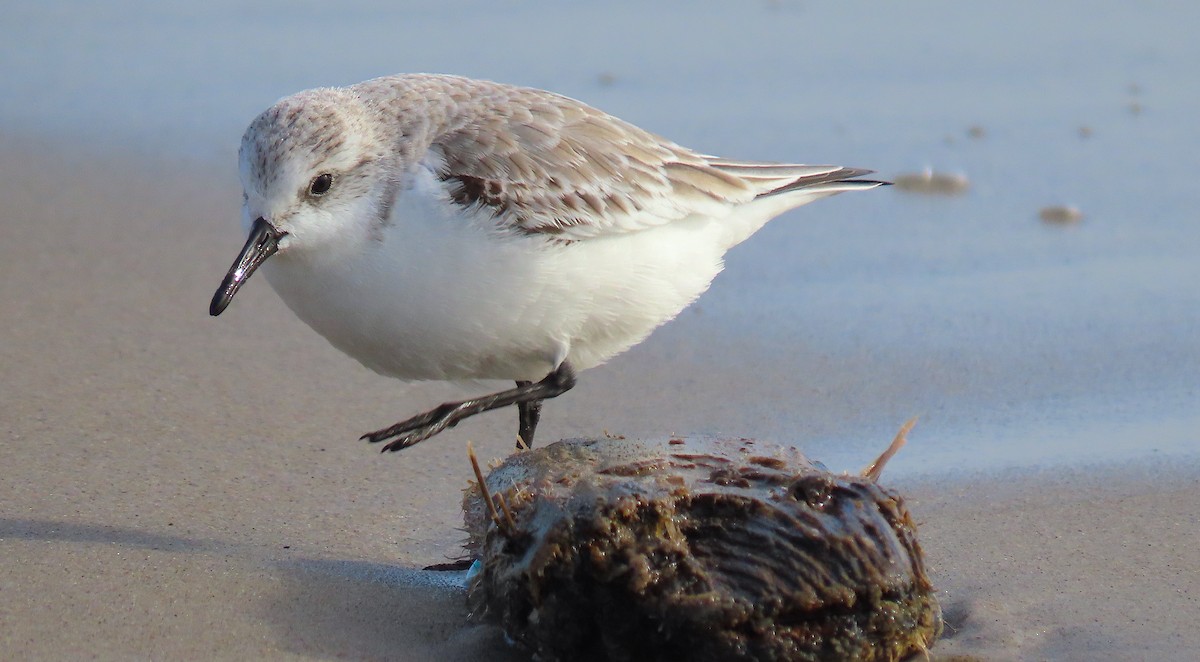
{"type": "Point", "coordinates": [779, 187]}
{"type": "Point", "coordinates": [771, 179]}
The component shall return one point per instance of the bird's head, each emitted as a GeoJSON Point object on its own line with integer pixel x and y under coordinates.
{"type": "Point", "coordinates": [314, 173]}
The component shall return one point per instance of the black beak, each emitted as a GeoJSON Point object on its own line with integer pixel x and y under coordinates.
{"type": "Point", "coordinates": [262, 244]}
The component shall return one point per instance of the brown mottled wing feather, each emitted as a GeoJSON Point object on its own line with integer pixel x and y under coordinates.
{"type": "Point", "coordinates": [547, 164]}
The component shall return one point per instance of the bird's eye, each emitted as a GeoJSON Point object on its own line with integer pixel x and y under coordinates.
{"type": "Point", "coordinates": [320, 184]}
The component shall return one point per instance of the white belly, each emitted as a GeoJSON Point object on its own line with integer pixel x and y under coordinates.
{"type": "Point", "coordinates": [439, 298]}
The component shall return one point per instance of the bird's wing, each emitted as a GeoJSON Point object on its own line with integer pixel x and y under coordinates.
{"type": "Point", "coordinates": [550, 165]}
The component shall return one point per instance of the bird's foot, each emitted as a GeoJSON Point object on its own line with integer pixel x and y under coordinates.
{"type": "Point", "coordinates": [416, 429]}
{"type": "Point", "coordinates": [527, 396]}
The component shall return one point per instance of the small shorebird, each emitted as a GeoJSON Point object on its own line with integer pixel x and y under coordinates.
{"type": "Point", "coordinates": [442, 228]}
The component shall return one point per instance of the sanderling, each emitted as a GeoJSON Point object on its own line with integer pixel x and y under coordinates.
{"type": "Point", "coordinates": [442, 228]}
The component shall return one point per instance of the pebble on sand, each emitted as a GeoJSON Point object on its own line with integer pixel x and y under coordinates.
{"type": "Point", "coordinates": [929, 182]}
{"type": "Point", "coordinates": [1060, 214]}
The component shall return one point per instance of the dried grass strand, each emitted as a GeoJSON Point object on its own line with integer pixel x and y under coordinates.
{"type": "Point", "coordinates": [875, 469]}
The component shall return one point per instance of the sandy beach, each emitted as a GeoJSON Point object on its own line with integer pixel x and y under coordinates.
{"type": "Point", "coordinates": [177, 486]}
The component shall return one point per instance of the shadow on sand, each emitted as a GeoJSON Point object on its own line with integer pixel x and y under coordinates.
{"type": "Point", "coordinates": [324, 608]}
{"type": "Point", "coordinates": [51, 530]}
{"type": "Point", "coordinates": [371, 610]}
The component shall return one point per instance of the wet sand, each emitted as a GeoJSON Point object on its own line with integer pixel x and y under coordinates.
{"type": "Point", "coordinates": [178, 486]}
{"type": "Point", "coordinates": [1096, 564]}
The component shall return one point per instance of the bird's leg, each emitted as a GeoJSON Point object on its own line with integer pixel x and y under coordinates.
{"type": "Point", "coordinates": [423, 426]}
{"type": "Point", "coordinates": [529, 413]}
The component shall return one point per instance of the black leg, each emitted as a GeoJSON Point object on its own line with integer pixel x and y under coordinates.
{"type": "Point", "coordinates": [423, 426]}
{"type": "Point", "coordinates": [529, 413]}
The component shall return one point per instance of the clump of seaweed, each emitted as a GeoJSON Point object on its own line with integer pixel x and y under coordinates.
{"type": "Point", "coordinates": [698, 549]}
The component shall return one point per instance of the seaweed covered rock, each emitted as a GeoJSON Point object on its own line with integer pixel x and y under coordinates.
{"type": "Point", "coordinates": [697, 549]}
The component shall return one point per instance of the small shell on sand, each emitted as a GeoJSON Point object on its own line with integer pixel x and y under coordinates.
{"type": "Point", "coordinates": [696, 549]}
{"type": "Point", "coordinates": [932, 183]}
{"type": "Point", "coordinates": [1060, 215]}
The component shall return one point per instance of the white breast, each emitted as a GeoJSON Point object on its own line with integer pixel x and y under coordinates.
{"type": "Point", "coordinates": [440, 294]}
